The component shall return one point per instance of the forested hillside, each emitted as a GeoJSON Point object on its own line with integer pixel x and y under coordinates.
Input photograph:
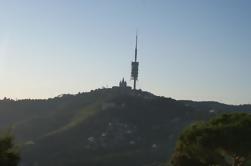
{"type": "Point", "coordinates": [102, 127]}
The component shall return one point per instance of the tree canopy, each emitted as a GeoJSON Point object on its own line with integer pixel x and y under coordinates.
{"type": "Point", "coordinates": [224, 141]}
{"type": "Point", "coordinates": [9, 154]}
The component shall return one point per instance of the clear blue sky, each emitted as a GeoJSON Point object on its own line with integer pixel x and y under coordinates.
{"type": "Point", "coordinates": [196, 49]}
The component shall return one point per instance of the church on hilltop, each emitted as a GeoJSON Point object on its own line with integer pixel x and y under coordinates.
{"type": "Point", "coordinates": [123, 84]}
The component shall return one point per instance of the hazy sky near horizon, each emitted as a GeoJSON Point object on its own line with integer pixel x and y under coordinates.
{"type": "Point", "coordinates": [196, 49]}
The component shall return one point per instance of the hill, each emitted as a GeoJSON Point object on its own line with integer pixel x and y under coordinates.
{"type": "Point", "coordinates": [103, 127]}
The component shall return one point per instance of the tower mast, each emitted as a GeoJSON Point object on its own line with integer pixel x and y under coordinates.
{"type": "Point", "coordinates": [135, 65]}
{"type": "Point", "coordinates": [136, 48]}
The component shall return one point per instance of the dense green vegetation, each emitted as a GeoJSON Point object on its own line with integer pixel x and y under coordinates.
{"type": "Point", "coordinates": [224, 141]}
{"type": "Point", "coordinates": [9, 154]}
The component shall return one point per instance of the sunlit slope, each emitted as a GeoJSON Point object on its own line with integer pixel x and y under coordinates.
{"type": "Point", "coordinates": [33, 119]}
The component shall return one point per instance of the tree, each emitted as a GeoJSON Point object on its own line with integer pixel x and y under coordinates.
{"type": "Point", "coordinates": [224, 141]}
{"type": "Point", "coordinates": [9, 153]}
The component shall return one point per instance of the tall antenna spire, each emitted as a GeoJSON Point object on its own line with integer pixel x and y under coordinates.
{"type": "Point", "coordinates": [135, 65]}
{"type": "Point", "coordinates": [136, 47]}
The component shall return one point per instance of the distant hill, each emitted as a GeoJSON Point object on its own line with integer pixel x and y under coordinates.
{"type": "Point", "coordinates": [216, 106]}
{"type": "Point", "coordinates": [104, 127]}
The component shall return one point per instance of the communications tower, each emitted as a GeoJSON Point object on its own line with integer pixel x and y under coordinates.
{"type": "Point", "coordinates": [135, 66]}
